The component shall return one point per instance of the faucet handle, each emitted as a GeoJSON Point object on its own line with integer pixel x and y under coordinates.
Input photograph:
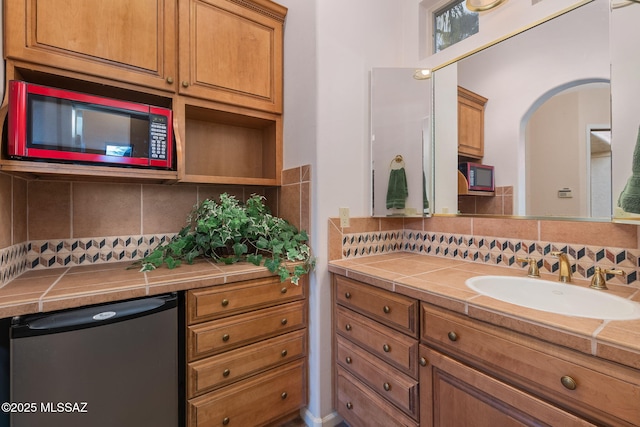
{"type": "Point", "coordinates": [599, 280]}
{"type": "Point", "coordinates": [533, 266]}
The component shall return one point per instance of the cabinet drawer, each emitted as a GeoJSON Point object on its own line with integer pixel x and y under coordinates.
{"type": "Point", "coordinates": [393, 310]}
{"type": "Point", "coordinates": [220, 301]}
{"type": "Point", "coordinates": [390, 383]}
{"type": "Point", "coordinates": [603, 391]}
{"type": "Point", "coordinates": [225, 334]}
{"type": "Point", "coordinates": [361, 407]}
{"type": "Point", "coordinates": [252, 402]}
{"type": "Point", "coordinates": [396, 349]}
{"type": "Point", "coordinates": [217, 371]}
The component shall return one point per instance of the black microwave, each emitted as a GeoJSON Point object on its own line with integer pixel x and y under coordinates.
{"type": "Point", "coordinates": [52, 124]}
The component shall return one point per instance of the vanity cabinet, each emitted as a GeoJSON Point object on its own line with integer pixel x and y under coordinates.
{"type": "Point", "coordinates": [375, 355]}
{"type": "Point", "coordinates": [505, 378]}
{"type": "Point", "coordinates": [470, 124]}
{"type": "Point", "coordinates": [131, 42]}
{"type": "Point", "coordinates": [246, 353]}
{"type": "Point", "coordinates": [454, 394]}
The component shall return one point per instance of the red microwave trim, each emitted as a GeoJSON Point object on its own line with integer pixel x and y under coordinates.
{"type": "Point", "coordinates": [17, 123]}
{"type": "Point", "coordinates": [466, 170]}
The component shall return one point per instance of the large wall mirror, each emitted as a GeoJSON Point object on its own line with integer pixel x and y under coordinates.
{"type": "Point", "coordinates": [561, 119]}
{"type": "Point", "coordinates": [547, 119]}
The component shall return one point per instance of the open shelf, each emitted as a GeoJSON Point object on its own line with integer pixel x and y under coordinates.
{"type": "Point", "coordinates": [229, 145]}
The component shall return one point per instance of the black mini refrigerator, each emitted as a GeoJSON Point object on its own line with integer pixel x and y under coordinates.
{"type": "Point", "coordinates": [101, 366]}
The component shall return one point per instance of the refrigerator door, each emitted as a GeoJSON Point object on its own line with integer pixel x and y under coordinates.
{"type": "Point", "coordinates": [109, 365]}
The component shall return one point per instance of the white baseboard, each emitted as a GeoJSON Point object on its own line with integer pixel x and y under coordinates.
{"type": "Point", "coordinates": [331, 420]}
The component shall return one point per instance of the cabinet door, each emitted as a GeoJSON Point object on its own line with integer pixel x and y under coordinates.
{"type": "Point", "coordinates": [129, 41]}
{"type": "Point", "coordinates": [231, 52]}
{"type": "Point", "coordinates": [470, 124]}
{"type": "Point", "coordinates": [453, 394]}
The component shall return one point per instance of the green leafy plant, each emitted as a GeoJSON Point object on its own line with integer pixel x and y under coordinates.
{"type": "Point", "coordinates": [228, 232]}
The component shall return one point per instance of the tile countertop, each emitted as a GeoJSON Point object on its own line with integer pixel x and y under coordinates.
{"type": "Point", "coordinates": [441, 281]}
{"type": "Point", "coordinates": [59, 288]}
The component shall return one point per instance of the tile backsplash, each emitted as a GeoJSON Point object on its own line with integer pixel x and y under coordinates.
{"type": "Point", "coordinates": [48, 224]}
{"type": "Point", "coordinates": [438, 237]}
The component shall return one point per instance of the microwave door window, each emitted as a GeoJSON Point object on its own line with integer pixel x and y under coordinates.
{"type": "Point", "coordinates": [483, 177]}
{"type": "Point", "coordinates": [103, 130]}
{"type": "Point", "coordinates": [50, 123]}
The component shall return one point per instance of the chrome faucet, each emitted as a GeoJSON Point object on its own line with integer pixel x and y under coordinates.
{"type": "Point", "coordinates": [564, 273]}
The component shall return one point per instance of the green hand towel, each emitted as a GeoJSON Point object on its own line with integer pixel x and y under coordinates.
{"type": "Point", "coordinates": [629, 199]}
{"type": "Point", "coordinates": [397, 190]}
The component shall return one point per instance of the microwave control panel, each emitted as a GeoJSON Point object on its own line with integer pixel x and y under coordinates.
{"type": "Point", "coordinates": [158, 137]}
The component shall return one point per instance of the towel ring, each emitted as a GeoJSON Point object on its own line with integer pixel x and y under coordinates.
{"type": "Point", "coordinates": [397, 161]}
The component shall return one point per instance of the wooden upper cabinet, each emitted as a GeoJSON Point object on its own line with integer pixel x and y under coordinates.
{"type": "Point", "coordinates": [123, 40]}
{"type": "Point", "coordinates": [231, 52]}
{"type": "Point", "coordinates": [470, 124]}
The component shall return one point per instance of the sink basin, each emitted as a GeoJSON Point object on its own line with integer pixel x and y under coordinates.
{"type": "Point", "coordinates": [555, 297]}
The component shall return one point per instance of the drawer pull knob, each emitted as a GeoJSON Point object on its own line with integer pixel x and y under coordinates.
{"type": "Point", "coordinates": [387, 309]}
{"type": "Point", "coordinates": [349, 405]}
{"type": "Point", "coordinates": [225, 302]}
{"type": "Point", "coordinates": [423, 361]}
{"type": "Point", "coordinates": [386, 348]}
{"type": "Point", "coordinates": [225, 421]}
{"type": "Point", "coordinates": [568, 382]}
{"type": "Point", "coordinates": [347, 295]}
{"type": "Point", "coordinates": [453, 336]}
{"type": "Point", "coordinates": [225, 337]}
{"type": "Point", "coordinates": [284, 353]}
{"type": "Point", "coordinates": [226, 373]}
{"type": "Point", "coordinates": [283, 322]}
{"type": "Point", "coordinates": [348, 327]}
{"type": "Point", "coordinates": [185, 83]}
{"type": "Point", "coordinates": [348, 359]}
{"type": "Point", "coordinates": [284, 395]}
{"type": "Point", "coordinates": [386, 386]}
{"type": "Point", "coordinates": [283, 290]}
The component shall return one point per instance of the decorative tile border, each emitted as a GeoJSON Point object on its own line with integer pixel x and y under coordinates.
{"type": "Point", "coordinates": [13, 262]}
{"type": "Point", "coordinates": [40, 254]}
{"type": "Point", "coordinates": [497, 251]}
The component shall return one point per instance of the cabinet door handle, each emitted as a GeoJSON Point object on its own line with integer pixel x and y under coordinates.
{"type": "Point", "coordinates": [386, 309]}
{"type": "Point", "coordinates": [170, 80]}
{"type": "Point", "coordinates": [226, 373]}
{"type": "Point", "coordinates": [283, 322]}
{"type": "Point", "coordinates": [349, 405]}
{"type": "Point", "coordinates": [225, 421]}
{"type": "Point", "coordinates": [348, 327]}
{"type": "Point", "coordinates": [386, 348]}
{"type": "Point", "coordinates": [185, 83]}
{"type": "Point", "coordinates": [283, 290]}
{"type": "Point", "coordinates": [284, 395]}
{"type": "Point", "coordinates": [423, 361]}
{"type": "Point", "coordinates": [347, 295]}
{"type": "Point", "coordinates": [568, 382]}
{"type": "Point", "coordinates": [348, 360]}
{"type": "Point", "coordinates": [284, 353]}
{"type": "Point", "coordinates": [452, 336]}
{"type": "Point", "coordinates": [225, 337]}
{"type": "Point", "coordinates": [225, 302]}
{"type": "Point", "coordinates": [386, 386]}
